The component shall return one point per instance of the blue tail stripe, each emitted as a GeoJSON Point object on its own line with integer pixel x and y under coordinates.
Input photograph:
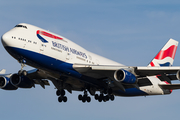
{"type": "Point", "coordinates": [165, 64]}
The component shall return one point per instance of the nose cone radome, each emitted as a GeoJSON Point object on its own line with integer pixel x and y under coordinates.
{"type": "Point", "coordinates": [5, 38]}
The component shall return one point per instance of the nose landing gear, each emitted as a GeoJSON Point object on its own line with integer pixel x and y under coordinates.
{"type": "Point", "coordinates": [22, 72]}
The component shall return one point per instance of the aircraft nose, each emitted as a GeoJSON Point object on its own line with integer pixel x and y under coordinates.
{"type": "Point", "coordinates": [4, 39]}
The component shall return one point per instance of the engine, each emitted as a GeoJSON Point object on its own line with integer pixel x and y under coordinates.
{"type": "Point", "coordinates": [5, 83]}
{"type": "Point", "coordinates": [178, 75]}
{"type": "Point", "coordinates": [21, 81]}
{"type": "Point", "coordinates": [125, 77]}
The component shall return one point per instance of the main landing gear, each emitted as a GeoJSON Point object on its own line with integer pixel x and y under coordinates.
{"type": "Point", "coordinates": [61, 94]}
{"type": "Point", "coordinates": [103, 97]}
{"type": "Point", "coordinates": [84, 98]}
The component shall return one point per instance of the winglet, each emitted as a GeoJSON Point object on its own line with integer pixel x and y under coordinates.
{"type": "Point", "coordinates": [3, 71]}
{"type": "Point", "coordinates": [166, 55]}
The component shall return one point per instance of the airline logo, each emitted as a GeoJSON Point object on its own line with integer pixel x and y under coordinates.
{"type": "Point", "coordinates": [41, 33]}
{"type": "Point", "coordinates": [165, 57]}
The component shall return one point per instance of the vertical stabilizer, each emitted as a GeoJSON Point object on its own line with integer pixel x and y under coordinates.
{"type": "Point", "coordinates": [166, 55]}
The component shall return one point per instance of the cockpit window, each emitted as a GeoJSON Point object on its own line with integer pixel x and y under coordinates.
{"type": "Point", "coordinates": [21, 26]}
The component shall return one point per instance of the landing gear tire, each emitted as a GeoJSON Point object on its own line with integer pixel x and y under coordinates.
{"type": "Point", "coordinates": [88, 99]}
{"type": "Point", "coordinates": [112, 97]}
{"type": "Point", "coordinates": [58, 92]}
{"type": "Point", "coordinates": [83, 100]}
{"type": "Point", "coordinates": [100, 99]}
{"type": "Point", "coordinates": [96, 96]}
{"type": "Point", "coordinates": [60, 99]}
{"type": "Point", "coordinates": [104, 99]}
{"type": "Point", "coordinates": [80, 97]}
{"type": "Point", "coordinates": [64, 99]}
{"type": "Point", "coordinates": [107, 97]}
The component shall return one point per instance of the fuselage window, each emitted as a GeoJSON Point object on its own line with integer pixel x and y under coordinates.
{"type": "Point", "coordinates": [21, 26]}
{"type": "Point", "coordinates": [43, 45]}
{"type": "Point", "coordinates": [13, 37]}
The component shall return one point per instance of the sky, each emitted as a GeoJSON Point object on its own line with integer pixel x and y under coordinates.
{"type": "Point", "coordinates": [129, 32]}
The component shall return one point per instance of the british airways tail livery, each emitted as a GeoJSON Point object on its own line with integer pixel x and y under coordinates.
{"type": "Point", "coordinates": [166, 55]}
{"type": "Point", "coordinates": [71, 67]}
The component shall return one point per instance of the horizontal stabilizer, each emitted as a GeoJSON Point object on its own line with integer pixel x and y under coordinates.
{"type": "Point", "coordinates": [170, 86]}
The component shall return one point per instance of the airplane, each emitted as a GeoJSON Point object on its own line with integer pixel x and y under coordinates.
{"type": "Point", "coordinates": [70, 67]}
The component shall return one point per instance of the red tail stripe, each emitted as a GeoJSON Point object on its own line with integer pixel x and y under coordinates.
{"type": "Point", "coordinates": [170, 52]}
{"type": "Point", "coordinates": [152, 64]}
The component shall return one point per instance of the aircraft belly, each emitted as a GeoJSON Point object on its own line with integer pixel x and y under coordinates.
{"type": "Point", "coordinates": [43, 61]}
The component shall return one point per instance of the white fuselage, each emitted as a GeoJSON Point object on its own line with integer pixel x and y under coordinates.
{"type": "Point", "coordinates": [56, 47]}
{"type": "Point", "coordinates": [64, 50]}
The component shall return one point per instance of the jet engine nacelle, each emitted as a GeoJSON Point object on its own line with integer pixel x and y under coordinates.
{"type": "Point", "coordinates": [178, 75]}
{"type": "Point", "coordinates": [21, 81]}
{"type": "Point", "coordinates": [5, 83]}
{"type": "Point", "coordinates": [124, 77]}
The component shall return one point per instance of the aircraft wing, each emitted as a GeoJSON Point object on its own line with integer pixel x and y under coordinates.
{"type": "Point", "coordinates": [170, 86]}
{"type": "Point", "coordinates": [150, 71]}
{"type": "Point", "coordinates": [107, 70]}
{"type": "Point", "coordinates": [38, 77]}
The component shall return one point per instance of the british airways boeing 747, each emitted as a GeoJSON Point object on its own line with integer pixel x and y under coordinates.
{"type": "Point", "coordinates": [71, 67]}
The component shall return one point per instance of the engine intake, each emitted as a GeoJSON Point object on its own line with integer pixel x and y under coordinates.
{"type": "Point", "coordinates": [178, 75]}
{"type": "Point", "coordinates": [21, 81]}
{"type": "Point", "coordinates": [124, 77]}
{"type": "Point", "coordinates": [5, 84]}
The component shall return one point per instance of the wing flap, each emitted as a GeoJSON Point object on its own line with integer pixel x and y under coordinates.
{"type": "Point", "coordinates": [170, 86]}
{"type": "Point", "coordinates": [41, 82]}
{"type": "Point", "coordinates": [150, 71]}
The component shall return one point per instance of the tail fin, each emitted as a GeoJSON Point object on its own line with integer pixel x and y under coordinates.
{"type": "Point", "coordinates": [166, 55]}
